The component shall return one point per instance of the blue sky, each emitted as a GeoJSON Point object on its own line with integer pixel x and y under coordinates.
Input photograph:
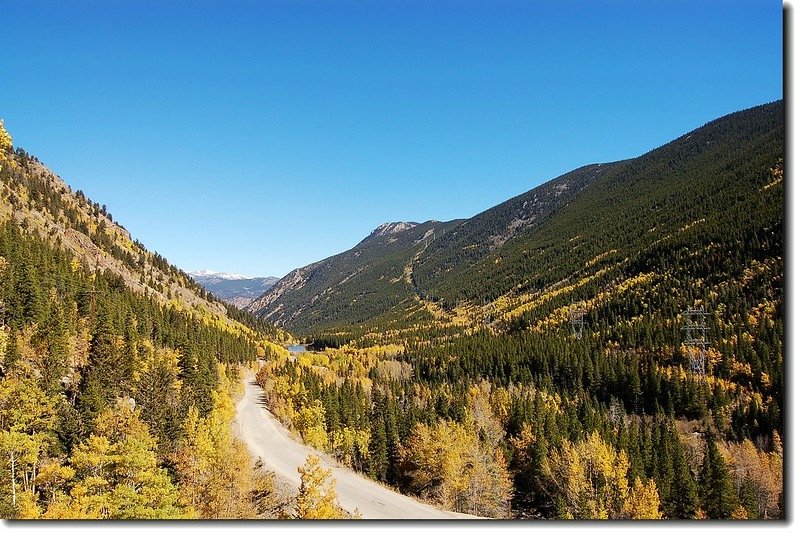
{"type": "Point", "coordinates": [255, 137]}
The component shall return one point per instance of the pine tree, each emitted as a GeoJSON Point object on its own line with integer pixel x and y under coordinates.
{"type": "Point", "coordinates": [718, 496]}
{"type": "Point", "coordinates": [117, 474]}
{"type": "Point", "coordinates": [378, 449]}
{"type": "Point", "coordinates": [683, 500]}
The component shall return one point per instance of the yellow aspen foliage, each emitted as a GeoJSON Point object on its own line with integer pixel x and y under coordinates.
{"type": "Point", "coordinates": [309, 421]}
{"type": "Point", "coordinates": [19, 455]}
{"type": "Point", "coordinates": [27, 508]}
{"type": "Point", "coordinates": [490, 485]}
{"type": "Point", "coordinates": [24, 406]}
{"type": "Point", "coordinates": [523, 442]}
{"type": "Point", "coordinates": [5, 138]}
{"type": "Point", "coordinates": [3, 343]}
{"type": "Point", "coordinates": [194, 457]}
{"type": "Point", "coordinates": [643, 501]}
{"type": "Point", "coordinates": [117, 472]}
{"type": "Point", "coordinates": [447, 464]}
{"type": "Point", "coordinates": [500, 401]}
{"type": "Point", "coordinates": [713, 357]}
{"type": "Point", "coordinates": [51, 478]}
{"type": "Point", "coordinates": [740, 514]}
{"type": "Point", "coordinates": [214, 470]}
{"type": "Point", "coordinates": [6, 145]}
{"type": "Point", "coordinates": [481, 413]}
{"type": "Point", "coordinates": [350, 446]}
{"type": "Point", "coordinates": [317, 497]}
{"type": "Point", "coordinates": [763, 471]}
{"type": "Point", "coordinates": [589, 480]}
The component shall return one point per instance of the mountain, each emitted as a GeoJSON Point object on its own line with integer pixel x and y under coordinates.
{"type": "Point", "coordinates": [368, 279]}
{"type": "Point", "coordinates": [235, 289]}
{"type": "Point", "coordinates": [110, 355]}
{"type": "Point", "coordinates": [597, 220]}
{"type": "Point", "coordinates": [39, 208]}
{"type": "Point", "coordinates": [382, 273]}
{"type": "Point", "coordinates": [629, 314]}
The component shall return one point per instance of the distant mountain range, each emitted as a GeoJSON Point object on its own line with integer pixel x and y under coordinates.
{"type": "Point", "coordinates": [234, 289]}
{"type": "Point", "coordinates": [604, 222]}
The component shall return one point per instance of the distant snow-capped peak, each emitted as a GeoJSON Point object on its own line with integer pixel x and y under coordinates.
{"type": "Point", "coordinates": [213, 274]}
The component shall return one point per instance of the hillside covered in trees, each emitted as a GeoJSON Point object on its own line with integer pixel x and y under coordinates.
{"type": "Point", "coordinates": [542, 363]}
{"type": "Point", "coordinates": [381, 275]}
{"type": "Point", "coordinates": [117, 371]}
{"type": "Point", "coordinates": [539, 360]}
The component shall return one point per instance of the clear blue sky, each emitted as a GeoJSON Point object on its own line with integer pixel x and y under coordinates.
{"type": "Point", "coordinates": [255, 137]}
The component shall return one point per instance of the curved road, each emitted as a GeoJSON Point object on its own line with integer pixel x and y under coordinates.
{"type": "Point", "coordinates": [268, 440]}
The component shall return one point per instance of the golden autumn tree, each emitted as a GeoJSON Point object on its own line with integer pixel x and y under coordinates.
{"type": "Point", "coordinates": [5, 137]}
{"type": "Point", "coordinates": [6, 145]}
{"type": "Point", "coordinates": [589, 480]}
{"type": "Point", "coordinates": [642, 502]}
{"type": "Point", "coordinates": [757, 477]}
{"type": "Point", "coordinates": [351, 446]}
{"type": "Point", "coordinates": [447, 464]}
{"type": "Point", "coordinates": [214, 470]}
{"type": "Point", "coordinates": [27, 417]}
{"type": "Point", "coordinates": [115, 474]}
{"type": "Point", "coordinates": [317, 497]}
{"type": "Point", "coordinates": [309, 421]}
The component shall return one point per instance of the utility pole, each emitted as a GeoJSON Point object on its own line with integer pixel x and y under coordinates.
{"type": "Point", "coordinates": [694, 319]}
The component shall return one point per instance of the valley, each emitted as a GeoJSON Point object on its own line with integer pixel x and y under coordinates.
{"type": "Point", "coordinates": [352, 260]}
{"type": "Point", "coordinates": [609, 344]}
{"type": "Point", "coordinates": [551, 330]}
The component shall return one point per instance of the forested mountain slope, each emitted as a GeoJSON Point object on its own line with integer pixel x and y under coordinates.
{"type": "Point", "coordinates": [394, 269]}
{"type": "Point", "coordinates": [553, 375]}
{"type": "Point", "coordinates": [603, 217]}
{"type": "Point", "coordinates": [116, 369]}
{"type": "Point", "coordinates": [366, 281]}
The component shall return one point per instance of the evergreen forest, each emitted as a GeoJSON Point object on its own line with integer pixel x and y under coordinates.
{"type": "Point", "coordinates": [608, 345]}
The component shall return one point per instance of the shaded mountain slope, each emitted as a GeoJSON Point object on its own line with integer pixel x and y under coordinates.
{"type": "Point", "coordinates": [601, 220]}
{"type": "Point", "coordinates": [348, 288]}
{"type": "Point", "coordinates": [400, 262]}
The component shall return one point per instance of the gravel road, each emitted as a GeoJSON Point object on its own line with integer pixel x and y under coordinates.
{"type": "Point", "coordinates": [280, 452]}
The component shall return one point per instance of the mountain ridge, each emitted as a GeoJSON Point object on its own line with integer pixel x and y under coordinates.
{"type": "Point", "coordinates": [234, 289]}
{"type": "Point", "coordinates": [36, 199]}
{"type": "Point", "coordinates": [470, 263]}
{"type": "Point", "coordinates": [409, 244]}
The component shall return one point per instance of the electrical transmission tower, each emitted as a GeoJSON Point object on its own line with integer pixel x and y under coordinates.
{"type": "Point", "coordinates": [576, 321]}
{"type": "Point", "coordinates": [694, 319]}
{"type": "Point", "coordinates": [488, 311]}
